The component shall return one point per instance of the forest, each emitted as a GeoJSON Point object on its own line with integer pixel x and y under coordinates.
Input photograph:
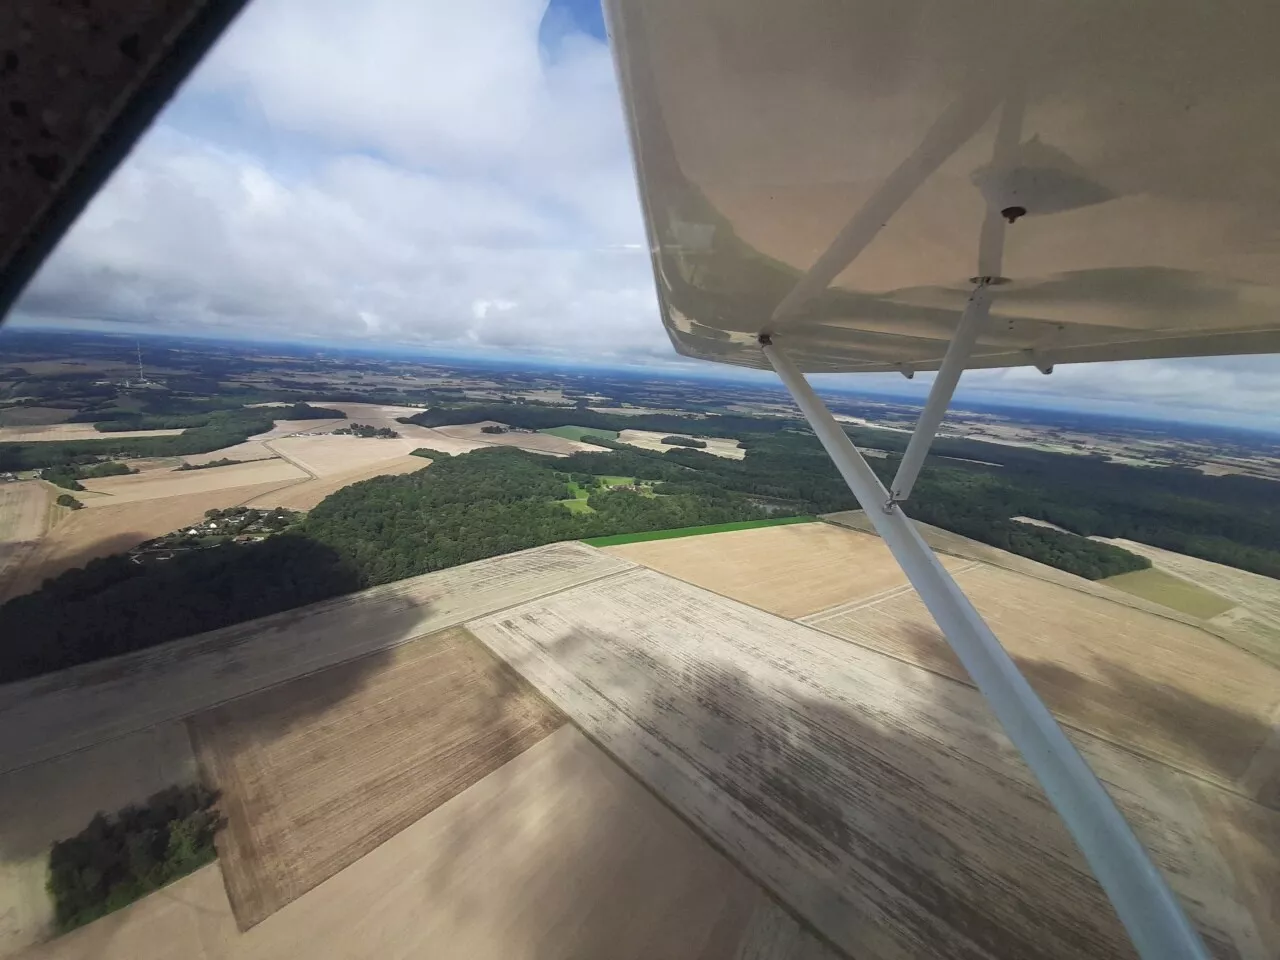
{"type": "Point", "coordinates": [117, 859]}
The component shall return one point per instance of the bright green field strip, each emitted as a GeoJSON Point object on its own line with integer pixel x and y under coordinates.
{"type": "Point", "coordinates": [577, 433]}
{"type": "Point", "coordinates": [576, 506]}
{"type": "Point", "coordinates": [1172, 592]}
{"type": "Point", "coordinates": [610, 481]}
{"type": "Point", "coordinates": [621, 538]}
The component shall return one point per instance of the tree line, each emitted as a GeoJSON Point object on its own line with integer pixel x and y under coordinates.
{"type": "Point", "coordinates": [117, 859]}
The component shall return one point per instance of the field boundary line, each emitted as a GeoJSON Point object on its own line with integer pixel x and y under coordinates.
{"type": "Point", "coordinates": [1120, 599]}
{"type": "Point", "coordinates": [185, 715]}
{"type": "Point", "coordinates": [1232, 787]}
{"type": "Point", "coordinates": [849, 606]}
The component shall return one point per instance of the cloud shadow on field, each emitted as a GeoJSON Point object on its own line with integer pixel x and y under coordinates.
{"type": "Point", "coordinates": [1123, 706]}
{"type": "Point", "coordinates": [878, 830]}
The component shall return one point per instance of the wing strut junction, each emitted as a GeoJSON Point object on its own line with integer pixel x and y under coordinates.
{"type": "Point", "coordinates": [755, 123]}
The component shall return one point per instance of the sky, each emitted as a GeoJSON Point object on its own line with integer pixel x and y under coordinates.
{"type": "Point", "coordinates": [448, 175]}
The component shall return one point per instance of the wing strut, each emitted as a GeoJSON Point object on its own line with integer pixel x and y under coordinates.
{"type": "Point", "coordinates": [944, 385]}
{"type": "Point", "coordinates": [1146, 906]}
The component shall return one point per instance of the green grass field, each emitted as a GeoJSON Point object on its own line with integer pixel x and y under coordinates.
{"type": "Point", "coordinates": [577, 433]}
{"type": "Point", "coordinates": [1172, 592]}
{"type": "Point", "coordinates": [610, 481]}
{"type": "Point", "coordinates": [621, 538]}
{"type": "Point", "coordinates": [576, 505]}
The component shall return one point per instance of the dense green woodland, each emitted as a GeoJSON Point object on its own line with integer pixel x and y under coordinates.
{"type": "Point", "coordinates": [115, 860]}
{"type": "Point", "coordinates": [498, 500]}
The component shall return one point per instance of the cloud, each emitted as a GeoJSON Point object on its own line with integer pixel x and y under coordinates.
{"type": "Point", "coordinates": [439, 173]}
{"type": "Point", "coordinates": [421, 159]}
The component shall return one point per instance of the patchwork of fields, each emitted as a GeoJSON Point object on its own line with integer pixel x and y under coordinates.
{"type": "Point", "coordinates": [751, 744]}
{"type": "Point", "coordinates": [295, 465]}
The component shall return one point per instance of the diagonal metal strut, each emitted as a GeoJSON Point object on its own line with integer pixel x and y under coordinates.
{"type": "Point", "coordinates": [1146, 906]}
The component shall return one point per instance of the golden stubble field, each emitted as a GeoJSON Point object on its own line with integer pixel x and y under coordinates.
{"type": "Point", "coordinates": [557, 853]}
{"type": "Point", "coordinates": [71, 431]}
{"type": "Point", "coordinates": [308, 493]}
{"type": "Point", "coordinates": [168, 483]}
{"type": "Point", "coordinates": [1169, 690]}
{"type": "Point", "coordinates": [790, 570]}
{"type": "Point", "coordinates": [25, 514]}
{"type": "Point", "coordinates": [878, 799]}
{"type": "Point", "coordinates": [316, 773]}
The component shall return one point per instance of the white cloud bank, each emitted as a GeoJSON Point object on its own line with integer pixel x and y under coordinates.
{"type": "Point", "coordinates": [424, 171]}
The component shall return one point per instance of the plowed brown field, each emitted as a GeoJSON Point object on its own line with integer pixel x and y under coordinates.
{"type": "Point", "coordinates": [316, 773]}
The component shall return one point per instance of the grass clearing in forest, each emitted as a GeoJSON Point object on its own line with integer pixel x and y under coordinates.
{"type": "Point", "coordinates": [1171, 591]}
{"type": "Point", "coordinates": [621, 538]}
{"type": "Point", "coordinates": [576, 505]}
{"type": "Point", "coordinates": [577, 433]}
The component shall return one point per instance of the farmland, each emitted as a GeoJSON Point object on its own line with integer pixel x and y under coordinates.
{"type": "Point", "coordinates": [577, 433]}
{"type": "Point", "coordinates": [316, 773]}
{"type": "Point", "coordinates": [24, 515]}
{"type": "Point", "coordinates": [167, 483]}
{"type": "Point", "coordinates": [1165, 689]}
{"type": "Point", "coordinates": [1171, 591]}
{"type": "Point", "coordinates": [865, 777]}
{"type": "Point", "coordinates": [534, 442]}
{"type": "Point", "coordinates": [116, 527]}
{"type": "Point", "coordinates": [71, 431]}
{"type": "Point", "coordinates": [557, 853]}
{"type": "Point", "coordinates": [649, 440]}
{"type": "Point", "coordinates": [55, 800]}
{"type": "Point", "coordinates": [842, 763]}
{"type": "Point", "coordinates": [786, 568]}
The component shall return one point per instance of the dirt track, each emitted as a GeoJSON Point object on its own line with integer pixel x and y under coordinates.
{"type": "Point", "coordinates": [72, 431]}
{"type": "Point", "coordinates": [308, 493]}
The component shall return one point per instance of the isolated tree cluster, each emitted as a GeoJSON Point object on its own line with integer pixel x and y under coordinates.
{"type": "Point", "coordinates": [117, 859]}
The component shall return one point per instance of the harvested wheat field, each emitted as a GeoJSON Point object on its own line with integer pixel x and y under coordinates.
{"type": "Point", "coordinates": [24, 516]}
{"type": "Point", "coordinates": [160, 484]}
{"type": "Point", "coordinates": [72, 431]}
{"type": "Point", "coordinates": [249, 450]}
{"type": "Point", "coordinates": [558, 853]}
{"type": "Point", "coordinates": [944, 542]}
{"type": "Point", "coordinates": [880, 801]}
{"type": "Point", "coordinates": [649, 440]}
{"type": "Point", "coordinates": [327, 456]}
{"type": "Point", "coordinates": [305, 495]}
{"type": "Point", "coordinates": [51, 715]}
{"type": "Point", "coordinates": [1168, 690]}
{"type": "Point", "coordinates": [316, 773]}
{"type": "Point", "coordinates": [789, 570]}
{"type": "Point", "coordinates": [111, 527]}
{"type": "Point", "coordinates": [533, 442]}
{"type": "Point", "coordinates": [57, 799]}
